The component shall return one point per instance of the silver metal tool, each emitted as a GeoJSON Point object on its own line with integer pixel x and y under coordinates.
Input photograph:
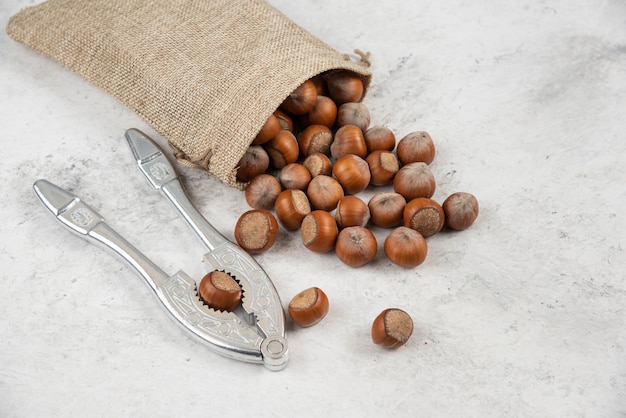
{"type": "Point", "coordinates": [258, 336]}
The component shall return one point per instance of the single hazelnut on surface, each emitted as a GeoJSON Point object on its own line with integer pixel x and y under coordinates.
{"type": "Point", "coordinates": [383, 167]}
{"type": "Point", "coordinates": [323, 113]}
{"type": "Point", "coordinates": [379, 138]}
{"type": "Point", "coordinates": [262, 191]}
{"type": "Point", "coordinates": [344, 86]}
{"type": "Point", "coordinates": [461, 210]}
{"type": "Point", "coordinates": [256, 230]}
{"type": "Point", "coordinates": [301, 100]}
{"type": "Point", "coordinates": [424, 215]}
{"type": "Point", "coordinates": [294, 176]}
{"type": "Point", "coordinates": [308, 307]}
{"type": "Point", "coordinates": [352, 172]}
{"type": "Point", "coordinates": [286, 122]}
{"type": "Point", "coordinates": [386, 209]}
{"type": "Point", "coordinates": [282, 149]}
{"type": "Point", "coordinates": [405, 247]}
{"type": "Point", "coordinates": [291, 207]}
{"type": "Point", "coordinates": [220, 291]}
{"type": "Point", "coordinates": [351, 211]}
{"type": "Point", "coordinates": [318, 163]}
{"type": "Point", "coordinates": [254, 162]}
{"type": "Point", "coordinates": [324, 192]}
{"type": "Point", "coordinates": [356, 246]}
{"type": "Point", "coordinates": [414, 180]}
{"type": "Point", "coordinates": [315, 138]}
{"type": "Point", "coordinates": [319, 231]}
{"type": "Point", "coordinates": [416, 147]}
{"type": "Point", "coordinates": [356, 114]}
{"type": "Point", "coordinates": [392, 328]}
{"type": "Point", "coordinates": [268, 131]}
{"type": "Point", "coordinates": [348, 140]}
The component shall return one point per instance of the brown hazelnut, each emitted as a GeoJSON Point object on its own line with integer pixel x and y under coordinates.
{"type": "Point", "coordinates": [324, 192]}
{"type": "Point", "coordinates": [220, 291]}
{"type": "Point", "coordinates": [315, 138]}
{"type": "Point", "coordinates": [379, 138]}
{"type": "Point", "coordinates": [301, 100]}
{"type": "Point", "coordinates": [268, 131]}
{"type": "Point", "coordinates": [461, 210]}
{"type": "Point", "coordinates": [282, 149]}
{"type": "Point", "coordinates": [254, 162]}
{"type": "Point", "coordinates": [348, 140]}
{"type": "Point", "coordinates": [424, 215]}
{"type": "Point", "coordinates": [405, 247]}
{"type": "Point", "coordinates": [286, 123]}
{"type": "Point", "coordinates": [356, 114]}
{"type": "Point", "coordinates": [308, 307]}
{"type": "Point", "coordinates": [323, 113]}
{"type": "Point", "coordinates": [262, 191]}
{"type": "Point", "coordinates": [416, 147]}
{"type": "Point", "coordinates": [256, 231]}
{"type": "Point", "coordinates": [392, 328]}
{"type": "Point", "coordinates": [414, 180]}
{"type": "Point", "coordinates": [319, 231]}
{"type": "Point", "coordinates": [386, 209]}
{"type": "Point", "coordinates": [352, 172]}
{"type": "Point", "coordinates": [344, 86]}
{"type": "Point", "coordinates": [291, 207]}
{"type": "Point", "coordinates": [356, 246]}
{"type": "Point", "coordinates": [383, 167]}
{"type": "Point", "coordinates": [318, 163]}
{"type": "Point", "coordinates": [294, 176]}
{"type": "Point", "coordinates": [351, 211]}
{"type": "Point", "coordinates": [320, 85]}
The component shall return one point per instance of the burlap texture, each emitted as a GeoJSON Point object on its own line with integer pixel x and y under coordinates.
{"type": "Point", "coordinates": [204, 74]}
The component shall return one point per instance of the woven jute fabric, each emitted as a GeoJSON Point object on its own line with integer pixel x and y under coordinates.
{"type": "Point", "coordinates": [204, 74]}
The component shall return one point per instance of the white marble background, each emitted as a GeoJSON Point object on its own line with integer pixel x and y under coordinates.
{"type": "Point", "coordinates": [522, 315]}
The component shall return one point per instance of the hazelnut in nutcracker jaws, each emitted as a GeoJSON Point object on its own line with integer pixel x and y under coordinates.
{"type": "Point", "coordinates": [308, 307]}
{"type": "Point", "coordinates": [392, 328]}
{"type": "Point", "coordinates": [461, 210]}
{"type": "Point", "coordinates": [220, 291]}
{"type": "Point", "coordinates": [256, 230]}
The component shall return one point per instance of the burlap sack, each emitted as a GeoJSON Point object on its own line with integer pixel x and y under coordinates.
{"type": "Point", "coordinates": [205, 74]}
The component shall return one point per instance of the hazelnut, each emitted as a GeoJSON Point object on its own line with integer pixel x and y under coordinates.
{"type": "Point", "coordinates": [379, 138]}
{"type": "Point", "coordinates": [424, 215]}
{"type": "Point", "coordinates": [416, 147]}
{"type": "Point", "coordinates": [351, 211]}
{"type": "Point", "coordinates": [323, 113]}
{"type": "Point", "coordinates": [254, 162]}
{"type": "Point", "coordinates": [386, 209]}
{"type": "Point", "coordinates": [301, 100]}
{"type": "Point", "coordinates": [308, 307]}
{"type": "Point", "coordinates": [392, 328]}
{"type": "Point", "coordinates": [262, 191]}
{"type": "Point", "coordinates": [318, 163]}
{"type": "Point", "coordinates": [344, 86]}
{"type": "Point", "coordinates": [294, 176]}
{"type": "Point", "coordinates": [320, 85]}
{"type": "Point", "coordinates": [356, 114]}
{"type": "Point", "coordinates": [291, 207]}
{"type": "Point", "coordinates": [282, 149]}
{"type": "Point", "coordinates": [256, 230]}
{"type": "Point", "coordinates": [414, 180]}
{"type": "Point", "coordinates": [356, 246]}
{"type": "Point", "coordinates": [268, 131]}
{"type": "Point", "coordinates": [286, 123]}
{"type": "Point", "coordinates": [220, 291]}
{"type": "Point", "coordinates": [405, 247]}
{"type": "Point", "coordinates": [315, 138]}
{"type": "Point", "coordinates": [348, 140]}
{"type": "Point", "coordinates": [461, 210]}
{"type": "Point", "coordinates": [319, 231]}
{"type": "Point", "coordinates": [324, 192]}
{"type": "Point", "coordinates": [383, 167]}
{"type": "Point", "coordinates": [352, 172]}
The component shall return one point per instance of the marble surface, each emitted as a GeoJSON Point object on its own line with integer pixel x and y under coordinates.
{"type": "Point", "coordinates": [521, 315]}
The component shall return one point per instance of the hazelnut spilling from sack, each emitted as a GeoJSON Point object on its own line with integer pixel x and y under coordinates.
{"type": "Point", "coordinates": [204, 74]}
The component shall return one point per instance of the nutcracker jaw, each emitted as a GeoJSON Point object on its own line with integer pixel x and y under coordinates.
{"type": "Point", "coordinates": [254, 333]}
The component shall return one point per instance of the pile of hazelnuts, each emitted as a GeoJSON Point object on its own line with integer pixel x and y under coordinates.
{"type": "Point", "coordinates": [312, 158]}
